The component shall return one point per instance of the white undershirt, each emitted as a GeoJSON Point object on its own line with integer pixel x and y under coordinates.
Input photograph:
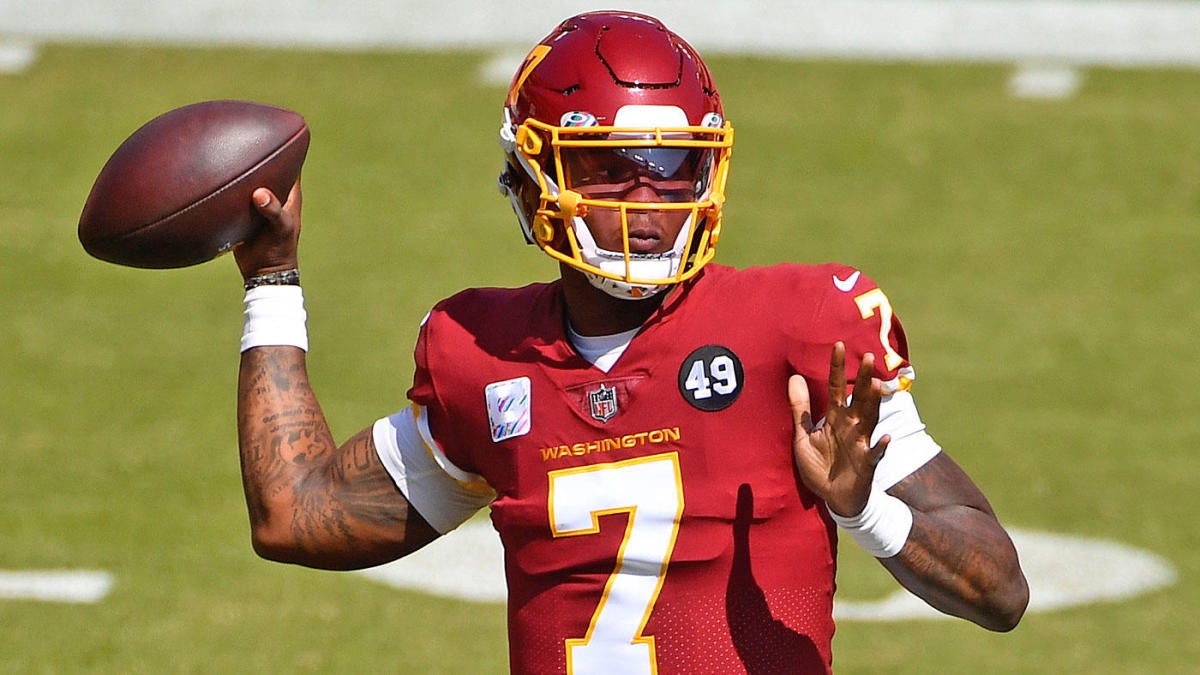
{"type": "Point", "coordinates": [601, 351]}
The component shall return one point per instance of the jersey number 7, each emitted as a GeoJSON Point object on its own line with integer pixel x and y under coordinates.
{"type": "Point", "coordinates": [875, 301]}
{"type": "Point", "coordinates": [649, 489]}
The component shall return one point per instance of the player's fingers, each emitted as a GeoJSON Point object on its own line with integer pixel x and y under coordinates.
{"type": "Point", "coordinates": [869, 413]}
{"type": "Point", "coordinates": [799, 402]}
{"type": "Point", "coordinates": [866, 369]}
{"type": "Point", "coordinates": [837, 376]}
{"type": "Point", "coordinates": [267, 204]}
{"type": "Point", "coordinates": [866, 397]}
{"type": "Point", "coordinates": [877, 451]}
{"type": "Point", "coordinates": [294, 197]}
{"type": "Point", "coordinates": [291, 208]}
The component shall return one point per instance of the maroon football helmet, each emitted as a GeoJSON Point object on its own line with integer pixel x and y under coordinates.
{"type": "Point", "coordinates": [607, 102]}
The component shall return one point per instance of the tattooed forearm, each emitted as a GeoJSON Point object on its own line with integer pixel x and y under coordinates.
{"type": "Point", "coordinates": [958, 558]}
{"type": "Point", "coordinates": [309, 500]}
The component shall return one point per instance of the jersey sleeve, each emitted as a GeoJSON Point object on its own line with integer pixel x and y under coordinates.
{"type": "Point", "coordinates": [413, 448]}
{"type": "Point", "coordinates": [445, 495]}
{"type": "Point", "coordinates": [433, 356]}
{"type": "Point", "coordinates": [857, 312]}
{"type": "Point", "coordinates": [860, 315]}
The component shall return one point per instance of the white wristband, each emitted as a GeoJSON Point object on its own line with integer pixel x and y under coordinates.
{"type": "Point", "coordinates": [883, 526]}
{"type": "Point", "coordinates": [274, 316]}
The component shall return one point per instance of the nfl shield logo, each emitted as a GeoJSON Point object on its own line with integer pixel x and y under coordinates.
{"type": "Point", "coordinates": [603, 402]}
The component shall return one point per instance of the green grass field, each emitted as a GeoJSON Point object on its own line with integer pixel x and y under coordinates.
{"type": "Point", "coordinates": [1041, 254]}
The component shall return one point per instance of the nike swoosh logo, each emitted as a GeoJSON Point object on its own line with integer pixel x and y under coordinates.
{"type": "Point", "coordinates": [847, 284]}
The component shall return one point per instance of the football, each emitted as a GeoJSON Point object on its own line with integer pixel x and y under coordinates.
{"type": "Point", "coordinates": [177, 191]}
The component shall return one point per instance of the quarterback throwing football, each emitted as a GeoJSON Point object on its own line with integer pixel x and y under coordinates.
{"type": "Point", "coordinates": [667, 446]}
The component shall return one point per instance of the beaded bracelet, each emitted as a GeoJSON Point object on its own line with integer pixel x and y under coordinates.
{"type": "Point", "coordinates": [281, 278]}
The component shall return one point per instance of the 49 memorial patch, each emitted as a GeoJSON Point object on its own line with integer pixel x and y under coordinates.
{"type": "Point", "coordinates": [711, 378]}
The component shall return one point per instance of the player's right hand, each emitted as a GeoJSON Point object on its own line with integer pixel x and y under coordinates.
{"type": "Point", "coordinates": [274, 247]}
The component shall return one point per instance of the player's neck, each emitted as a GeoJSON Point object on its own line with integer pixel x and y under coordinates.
{"type": "Point", "coordinates": [591, 311]}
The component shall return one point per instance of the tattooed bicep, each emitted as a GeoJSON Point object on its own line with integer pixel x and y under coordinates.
{"type": "Point", "coordinates": [367, 489]}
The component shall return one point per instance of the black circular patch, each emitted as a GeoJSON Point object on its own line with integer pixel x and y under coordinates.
{"type": "Point", "coordinates": [711, 378]}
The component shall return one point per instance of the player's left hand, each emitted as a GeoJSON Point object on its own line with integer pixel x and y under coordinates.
{"type": "Point", "coordinates": [836, 459]}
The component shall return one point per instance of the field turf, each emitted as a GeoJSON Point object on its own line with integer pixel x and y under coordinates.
{"type": "Point", "coordinates": [1040, 253]}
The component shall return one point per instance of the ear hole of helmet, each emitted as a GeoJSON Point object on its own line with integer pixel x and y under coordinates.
{"type": "Point", "coordinates": [543, 231]}
{"type": "Point", "coordinates": [529, 142]}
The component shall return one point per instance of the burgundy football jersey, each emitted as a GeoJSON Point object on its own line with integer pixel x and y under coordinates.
{"type": "Point", "coordinates": [651, 516]}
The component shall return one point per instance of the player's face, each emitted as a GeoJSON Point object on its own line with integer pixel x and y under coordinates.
{"type": "Point", "coordinates": [637, 175]}
{"type": "Point", "coordinates": [650, 231]}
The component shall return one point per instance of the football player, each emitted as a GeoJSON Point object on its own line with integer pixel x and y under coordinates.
{"type": "Point", "coordinates": [667, 446]}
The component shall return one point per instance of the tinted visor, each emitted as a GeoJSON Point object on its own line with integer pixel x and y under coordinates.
{"type": "Point", "coordinates": [677, 174]}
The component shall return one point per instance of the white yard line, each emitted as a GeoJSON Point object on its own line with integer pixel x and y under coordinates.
{"type": "Point", "coordinates": [1063, 571]}
{"type": "Point", "coordinates": [75, 586]}
{"type": "Point", "coordinates": [16, 56]}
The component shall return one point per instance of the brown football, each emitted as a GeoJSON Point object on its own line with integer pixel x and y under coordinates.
{"type": "Point", "coordinates": [177, 191]}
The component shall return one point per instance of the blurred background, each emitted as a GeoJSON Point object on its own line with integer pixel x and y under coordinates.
{"type": "Point", "coordinates": [1021, 177]}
